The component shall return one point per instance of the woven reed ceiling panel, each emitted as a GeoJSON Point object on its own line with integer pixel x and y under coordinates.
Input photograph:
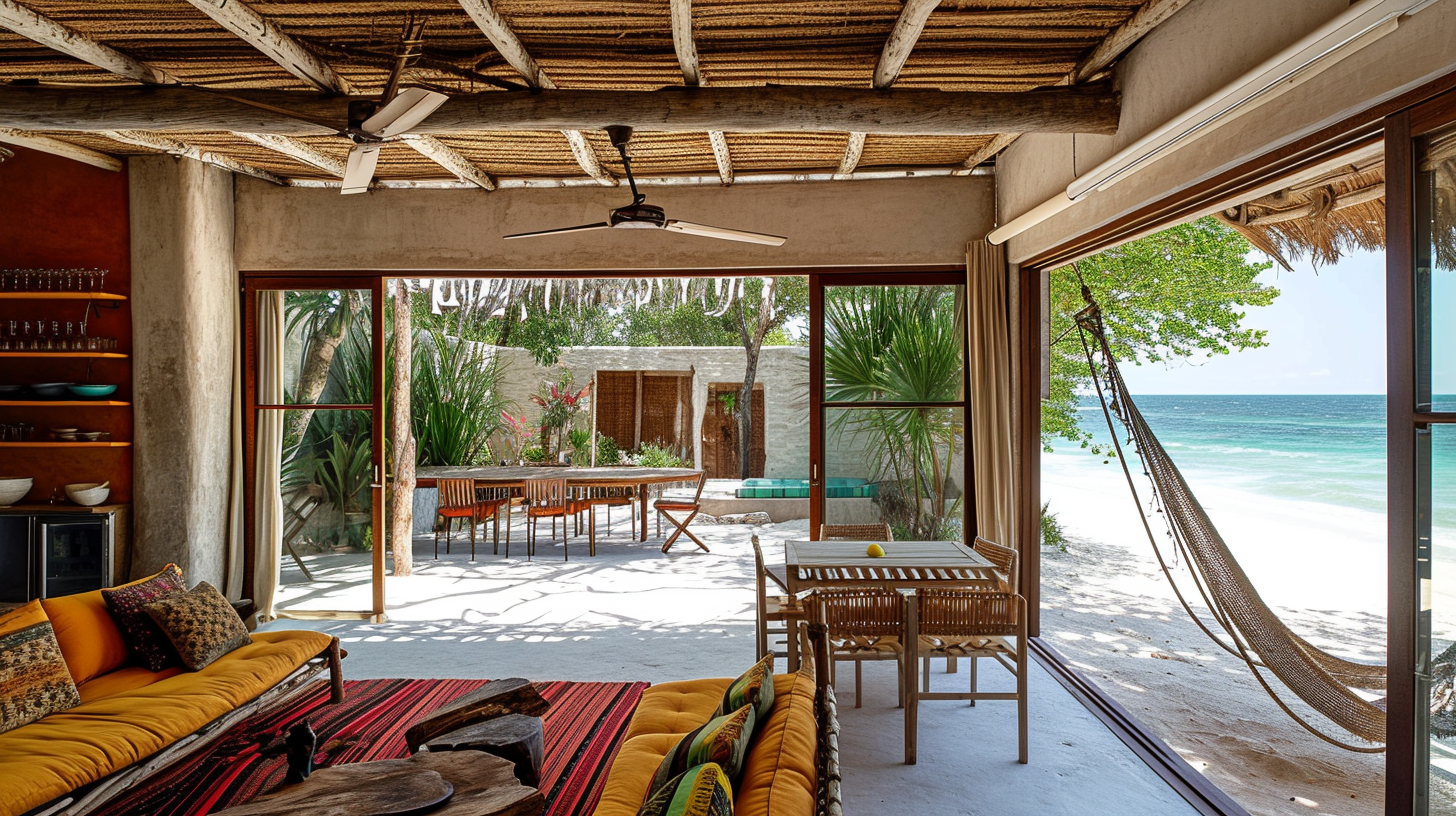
{"type": "Point", "coordinates": [608, 45]}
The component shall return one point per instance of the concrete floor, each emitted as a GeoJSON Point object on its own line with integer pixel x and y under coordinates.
{"type": "Point", "coordinates": [632, 613]}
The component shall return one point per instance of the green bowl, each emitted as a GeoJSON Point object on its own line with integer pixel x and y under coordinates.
{"type": "Point", "coordinates": [92, 391]}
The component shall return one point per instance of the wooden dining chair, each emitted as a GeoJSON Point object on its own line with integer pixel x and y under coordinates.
{"type": "Point", "coordinates": [608, 497]}
{"type": "Point", "coordinates": [665, 507]}
{"type": "Point", "coordinates": [456, 501]}
{"type": "Point", "coordinates": [776, 615]}
{"type": "Point", "coordinates": [1006, 560]}
{"type": "Point", "coordinates": [490, 504]}
{"type": "Point", "coordinates": [863, 624]}
{"type": "Point", "coordinates": [549, 498]}
{"type": "Point", "coordinates": [969, 623]}
{"type": "Point", "coordinates": [855, 532]}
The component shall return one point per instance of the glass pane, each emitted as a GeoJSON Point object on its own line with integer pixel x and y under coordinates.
{"type": "Point", "coordinates": [894, 343]}
{"type": "Point", "coordinates": [903, 466]}
{"type": "Point", "coordinates": [326, 468]}
{"type": "Point", "coordinates": [325, 355]}
{"type": "Point", "coordinates": [1436, 528]}
{"type": "Point", "coordinates": [1436, 272]}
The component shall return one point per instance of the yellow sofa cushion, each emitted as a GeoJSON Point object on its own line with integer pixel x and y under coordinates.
{"type": "Point", "coordinates": [64, 751]}
{"type": "Point", "coordinates": [88, 636]}
{"type": "Point", "coordinates": [779, 777]}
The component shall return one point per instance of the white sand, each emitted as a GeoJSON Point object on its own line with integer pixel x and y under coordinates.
{"type": "Point", "coordinates": [1108, 608]}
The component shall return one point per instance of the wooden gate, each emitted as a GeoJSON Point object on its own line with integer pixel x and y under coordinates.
{"type": "Point", "coordinates": [720, 432]}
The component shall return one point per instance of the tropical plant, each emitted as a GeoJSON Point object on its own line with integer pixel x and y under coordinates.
{"type": "Point", "coordinates": [518, 433]}
{"type": "Point", "coordinates": [654, 456]}
{"type": "Point", "coordinates": [1052, 533]}
{"type": "Point", "coordinates": [559, 406]}
{"type": "Point", "coordinates": [532, 453]}
{"type": "Point", "coordinates": [579, 440]}
{"type": "Point", "coordinates": [900, 344]}
{"type": "Point", "coordinates": [456, 403]}
{"type": "Point", "coordinates": [607, 451]}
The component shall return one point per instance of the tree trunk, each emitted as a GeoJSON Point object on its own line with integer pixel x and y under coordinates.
{"type": "Point", "coordinates": [402, 494]}
{"type": "Point", "coordinates": [752, 345]}
{"type": "Point", "coordinates": [314, 374]}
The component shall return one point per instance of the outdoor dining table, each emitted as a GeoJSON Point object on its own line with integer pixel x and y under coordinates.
{"type": "Point", "coordinates": [591, 477]}
{"type": "Point", "coordinates": [905, 567]}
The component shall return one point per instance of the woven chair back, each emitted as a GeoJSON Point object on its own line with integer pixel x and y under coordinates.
{"type": "Point", "coordinates": [855, 532]}
{"type": "Point", "coordinates": [1004, 559]}
{"type": "Point", "coordinates": [456, 492]}
{"type": "Point", "coordinates": [968, 612]}
{"type": "Point", "coordinates": [544, 493]}
{"type": "Point", "coordinates": [850, 613]}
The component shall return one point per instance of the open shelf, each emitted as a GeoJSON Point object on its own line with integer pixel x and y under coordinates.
{"type": "Point", "coordinates": [64, 403]}
{"type": "Point", "coordinates": [60, 296]}
{"type": "Point", "coordinates": [108, 355]}
{"type": "Point", "coordinates": [65, 444]}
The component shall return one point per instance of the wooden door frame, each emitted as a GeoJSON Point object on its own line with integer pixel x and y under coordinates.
{"type": "Point", "coordinates": [251, 285]}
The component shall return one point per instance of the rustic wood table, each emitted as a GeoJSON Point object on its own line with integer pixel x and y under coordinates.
{"type": "Point", "coordinates": [517, 476]}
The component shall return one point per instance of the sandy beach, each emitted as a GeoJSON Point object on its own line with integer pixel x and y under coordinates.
{"type": "Point", "coordinates": [1108, 608]}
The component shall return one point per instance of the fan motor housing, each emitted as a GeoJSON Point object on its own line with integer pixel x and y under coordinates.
{"type": "Point", "coordinates": [639, 216]}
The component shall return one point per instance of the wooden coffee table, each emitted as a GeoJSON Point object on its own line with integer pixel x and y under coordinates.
{"type": "Point", "coordinates": [456, 783]}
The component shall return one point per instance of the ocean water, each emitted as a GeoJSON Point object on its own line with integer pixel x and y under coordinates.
{"type": "Point", "coordinates": [1326, 449]}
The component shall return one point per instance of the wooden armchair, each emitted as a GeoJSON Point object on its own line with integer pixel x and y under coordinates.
{"type": "Point", "coordinates": [855, 532]}
{"type": "Point", "coordinates": [863, 624]}
{"type": "Point", "coordinates": [1006, 560]}
{"type": "Point", "coordinates": [968, 623]}
{"type": "Point", "coordinates": [776, 615]}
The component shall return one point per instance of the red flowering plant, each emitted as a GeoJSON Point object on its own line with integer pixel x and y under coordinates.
{"type": "Point", "coordinates": [559, 406]}
{"type": "Point", "coordinates": [518, 431]}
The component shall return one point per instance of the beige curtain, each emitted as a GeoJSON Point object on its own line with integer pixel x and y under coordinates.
{"type": "Point", "coordinates": [233, 574]}
{"type": "Point", "coordinates": [988, 338]}
{"type": "Point", "coordinates": [269, 523]}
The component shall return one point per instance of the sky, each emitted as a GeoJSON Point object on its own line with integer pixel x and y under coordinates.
{"type": "Point", "coordinates": [1326, 336]}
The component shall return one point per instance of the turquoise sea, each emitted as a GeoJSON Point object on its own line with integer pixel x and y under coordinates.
{"type": "Point", "coordinates": [1327, 449]}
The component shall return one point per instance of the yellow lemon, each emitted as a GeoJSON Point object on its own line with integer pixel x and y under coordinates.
{"type": "Point", "coordinates": [875, 551]}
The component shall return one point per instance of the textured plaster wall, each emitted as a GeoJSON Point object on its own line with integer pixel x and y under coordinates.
{"type": "Point", "coordinates": [1197, 51]}
{"type": "Point", "coordinates": [183, 288]}
{"type": "Point", "coordinates": [911, 221]}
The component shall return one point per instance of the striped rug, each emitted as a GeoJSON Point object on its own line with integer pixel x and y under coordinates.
{"type": "Point", "coordinates": [583, 729]}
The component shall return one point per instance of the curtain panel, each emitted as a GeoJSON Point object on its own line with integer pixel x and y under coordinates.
{"type": "Point", "coordinates": [990, 400]}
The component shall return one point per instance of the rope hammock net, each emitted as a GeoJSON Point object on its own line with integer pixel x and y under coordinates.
{"type": "Point", "coordinates": [1252, 632]}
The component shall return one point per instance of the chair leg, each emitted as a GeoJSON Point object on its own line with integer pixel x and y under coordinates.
{"type": "Point", "coordinates": [951, 667]}
{"type": "Point", "coordinates": [975, 661]}
{"type": "Point", "coordinates": [858, 681]}
{"type": "Point", "coordinates": [591, 531]}
{"type": "Point", "coordinates": [925, 675]}
{"type": "Point", "coordinates": [437, 538]}
{"type": "Point", "coordinates": [474, 522]}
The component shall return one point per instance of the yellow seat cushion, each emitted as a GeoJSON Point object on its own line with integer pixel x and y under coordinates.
{"type": "Point", "coordinates": [779, 777]}
{"type": "Point", "coordinates": [123, 679]}
{"type": "Point", "coordinates": [62, 752]}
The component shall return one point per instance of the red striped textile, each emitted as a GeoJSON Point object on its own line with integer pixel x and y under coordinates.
{"type": "Point", "coordinates": [583, 727]}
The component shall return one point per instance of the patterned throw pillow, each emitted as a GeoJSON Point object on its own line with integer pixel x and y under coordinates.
{"type": "Point", "coordinates": [700, 791]}
{"type": "Point", "coordinates": [201, 625]}
{"type": "Point", "coordinates": [754, 686]}
{"type": "Point", "coordinates": [722, 740]}
{"type": "Point", "coordinates": [34, 680]}
{"type": "Point", "coordinates": [147, 643]}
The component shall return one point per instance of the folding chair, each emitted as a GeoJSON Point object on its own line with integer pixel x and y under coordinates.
{"type": "Point", "coordinates": [666, 507]}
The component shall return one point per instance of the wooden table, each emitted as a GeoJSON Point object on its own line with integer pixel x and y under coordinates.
{"type": "Point", "coordinates": [517, 476]}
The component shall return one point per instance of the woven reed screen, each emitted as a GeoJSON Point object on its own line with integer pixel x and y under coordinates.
{"type": "Point", "coordinates": [616, 405]}
{"type": "Point", "coordinates": [667, 412]}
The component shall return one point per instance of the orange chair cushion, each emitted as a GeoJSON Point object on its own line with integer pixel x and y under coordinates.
{"type": "Point", "coordinates": [456, 512]}
{"type": "Point", "coordinates": [89, 637]}
{"type": "Point", "coordinates": [779, 776]}
{"type": "Point", "coordinates": [55, 755]}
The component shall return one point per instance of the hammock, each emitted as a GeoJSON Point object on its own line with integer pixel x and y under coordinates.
{"type": "Point", "coordinates": [1255, 634]}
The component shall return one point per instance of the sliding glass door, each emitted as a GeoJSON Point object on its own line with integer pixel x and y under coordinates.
{"type": "Point", "coordinates": [889, 388]}
{"type": "Point", "coordinates": [314, 398]}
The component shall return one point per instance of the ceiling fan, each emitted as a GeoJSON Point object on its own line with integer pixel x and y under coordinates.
{"type": "Point", "coordinates": [371, 123]}
{"type": "Point", "coordinates": [639, 215]}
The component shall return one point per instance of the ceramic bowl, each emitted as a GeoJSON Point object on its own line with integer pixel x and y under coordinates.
{"type": "Point", "coordinates": [92, 391]}
{"type": "Point", "coordinates": [14, 488]}
{"type": "Point", "coordinates": [11, 391]}
{"type": "Point", "coordinates": [50, 390]}
{"type": "Point", "coordinates": [88, 494]}
{"type": "Point", "coordinates": [89, 436]}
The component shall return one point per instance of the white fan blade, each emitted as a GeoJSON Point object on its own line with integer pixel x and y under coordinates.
{"type": "Point", "coordinates": [724, 233]}
{"type": "Point", "coordinates": [582, 228]}
{"type": "Point", "coordinates": [408, 108]}
{"type": "Point", "coordinates": [360, 169]}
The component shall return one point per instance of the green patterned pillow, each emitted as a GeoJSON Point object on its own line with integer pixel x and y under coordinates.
{"type": "Point", "coordinates": [755, 686]}
{"type": "Point", "coordinates": [703, 790]}
{"type": "Point", "coordinates": [201, 625]}
{"type": "Point", "coordinates": [722, 740]}
{"type": "Point", "coordinates": [34, 680]}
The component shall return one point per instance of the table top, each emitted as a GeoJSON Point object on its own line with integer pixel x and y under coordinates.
{"type": "Point", "coordinates": [916, 554]}
{"type": "Point", "coordinates": [515, 474]}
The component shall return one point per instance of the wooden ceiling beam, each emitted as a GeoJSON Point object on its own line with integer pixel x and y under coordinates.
{"type": "Point", "coordinates": [57, 147]}
{"type": "Point", "coordinates": [902, 40]}
{"type": "Point", "coordinates": [721, 157]}
{"type": "Point", "coordinates": [998, 143]}
{"type": "Point", "coordinates": [852, 152]}
{"type": "Point", "coordinates": [498, 31]}
{"type": "Point", "coordinates": [72, 43]}
{"type": "Point", "coordinates": [294, 149]}
{"type": "Point", "coordinates": [294, 57]}
{"type": "Point", "coordinates": [911, 112]}
{"type": "Point", "coordinates": [451, 159]}
{"type": "Point", "coordinates": [175, 148]}
{"type": "Point", "coordinates": [687, 57]}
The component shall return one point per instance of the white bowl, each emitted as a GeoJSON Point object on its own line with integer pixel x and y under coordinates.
{"type": "Point", "coordinates": [14, 488]}
{"type": "Point", "coordinates": [88, 494]}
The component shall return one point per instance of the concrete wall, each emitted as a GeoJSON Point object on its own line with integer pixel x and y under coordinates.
{"type": "Point", "coordinates": [183, 288]}
{"type": "Point", "coordinates": [911, 221]}
{"type": "Point", "coordinates": [783, 370]}
{"type": "Point", "coordinates": [1199, 50]}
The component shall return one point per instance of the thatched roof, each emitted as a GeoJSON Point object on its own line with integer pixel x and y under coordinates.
{"type": "Point", "coordinates": [961, 46]}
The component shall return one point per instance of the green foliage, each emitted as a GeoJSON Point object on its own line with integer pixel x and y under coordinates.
{"type": "Point", "coordinates": [559, 407]}
{"type": "Point", "coordinates": [607, 451]}
{"type": "Point", "coordinates": [579, 440]}
{"type": "Point", "coordinates": [1165, 298]}
{"type": "Point", "coordinates": [455, 401]}
{"type": "Point", "coordinates": [900, 344]}
{"type": "Point", "coordinates": [649, 455]}
{"type": "Point", "coordinates": [342, 469]}
{"type": "Point", "coordinates": [533, 454]}
{"type": "Point", "coordinates": [1052, 534]}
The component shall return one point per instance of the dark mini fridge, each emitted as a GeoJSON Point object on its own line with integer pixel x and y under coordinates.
{"type": "Point", "coordinates": [48, 555]}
